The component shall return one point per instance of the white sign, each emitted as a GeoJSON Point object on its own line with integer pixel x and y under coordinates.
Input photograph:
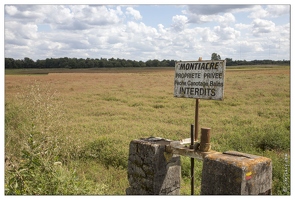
{"type": "Point", "coordinates": [199, 79]}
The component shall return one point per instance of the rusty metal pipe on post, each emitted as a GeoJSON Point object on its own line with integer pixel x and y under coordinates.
{"type": "Point", "coordinates": [205, 140]}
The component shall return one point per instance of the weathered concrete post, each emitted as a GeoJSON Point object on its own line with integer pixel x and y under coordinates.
{"type": "Point", "coordinates": [236, 173]}
{"type": "Point", "coordinates": [152, 170]}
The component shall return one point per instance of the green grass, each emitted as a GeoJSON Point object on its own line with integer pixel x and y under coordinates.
{"type": "Point", "coordinates": [86, 121]}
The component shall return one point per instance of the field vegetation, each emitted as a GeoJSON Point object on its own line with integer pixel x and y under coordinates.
{"type": "Point", "coordinates": [68, 132]}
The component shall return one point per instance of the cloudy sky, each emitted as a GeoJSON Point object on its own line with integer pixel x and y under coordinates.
{"type": "Point", "coordinates": [142, 32]}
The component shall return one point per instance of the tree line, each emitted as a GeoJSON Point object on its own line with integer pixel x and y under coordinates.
{"type": "Point", "coordinates": [230, 62]}
{"type": "Point", "coordinates": [73, 63]}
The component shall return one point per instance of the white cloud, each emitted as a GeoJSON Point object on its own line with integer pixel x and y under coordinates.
{"type": "Point", "coordinates": [270, 11]}
{"type": "Point", "coordinates": [278, 10]}
{"type": "Point", "coordinates": [21, 31]}
{"type": "Point", "coordinates": [214, 9]}
{"type": "Point", "coordinates": [66, 17]}
{"type": "Point", "coordinates": [24, 13]}
{"type": "Point", "coordinates": [258, 12]}
{"type": "Point", "coordinates": [161, 29]}
{"type": "Point", "coordinates": [135, 13]}
{"type": "Point", "coordinates": [11, 10]}
{"type": "Point", "coordinates": [106, 31]}
{"type": "Point", "coordinates": [207, 35]}
{"type": "Point", "coordinates": [261, 26]}
{"type": "Point", "coordinates": [84, 17]}
{"type": "Point", "coordinates": [227, 19]}
{"type": "Point", "coordinates": [250, 46]}
{"type": "Point", "coordinates": [60, 15]}
{"type": "Point", "coordinates": [141, 37]}
{"type": "Point", "coordinates": [284, 31]}
{"type": "Point", "coordinates": [49, 45]}
{"type": "Point", "coordinates": [140, 28]}
{"type": "Point", "coordinates": [179, 22]}
{"type": "Point", "coordinates": [242, 26]}
{"type": "Point", "coordinates": [17, 51]}
{"type": "Point", "coordinates": [226, 33]}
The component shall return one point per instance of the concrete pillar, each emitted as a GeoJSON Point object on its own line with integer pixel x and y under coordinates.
{"type": "Point", "coordinates": [235, 173]}
{"type": "Point", "coordinates": [151, 170]}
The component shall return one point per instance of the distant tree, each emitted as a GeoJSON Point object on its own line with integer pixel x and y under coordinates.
{"type": "Point", "coordinates": [136, 64]}
{"type": "Point", "coordinates": [89, 63]}
{"type": "Point", "coordinates": [40, 64]}
{"type": "Point", "coordinates": [149, 63]}
{"type": "Point", "coordinates": [19, 63]}
{"type": "Point", "coordinates": [129, 63]}
{"type": "Point", "coordinates": [164, 63]}
{"type": "Point", "coordinates": [141, 64]}
{"type": "Point", "coordinates": [72, 63]}
{"type": "Point", "coordinates": [215, 56]}
{"type": "Point", "coordinates": [172, 63]}
{"type": "Point", "coordinates": [96, 62]}
{"type": "Point", "coordinates": [81, 63]}
{"type": "Point", "coordinates": [10, 63]}
{"type": "Point", "coordinates": [155, 63]}
{"type": "Point", "coordinates": [229, 61]}
{"type": "Point", "coordinates": [28, 63]}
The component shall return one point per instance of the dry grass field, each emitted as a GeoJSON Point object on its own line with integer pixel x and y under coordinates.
{"type": "Point", "coordinates": [84, 122]}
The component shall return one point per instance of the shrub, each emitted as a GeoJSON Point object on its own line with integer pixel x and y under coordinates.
{"type": "Point", "coordinates": [35, 175]}
{"type": "Point", "coordinates": [34, 144]}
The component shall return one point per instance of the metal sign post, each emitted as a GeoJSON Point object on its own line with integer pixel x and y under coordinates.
{"type": "Point", "coordinates": [192, 160]}
{"type": "Point", "coordinates": [197, 115]}
{"type": "Point", "coordinates": [197, 119]}
{"type": "Point", "coordinates": [199, 80]}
